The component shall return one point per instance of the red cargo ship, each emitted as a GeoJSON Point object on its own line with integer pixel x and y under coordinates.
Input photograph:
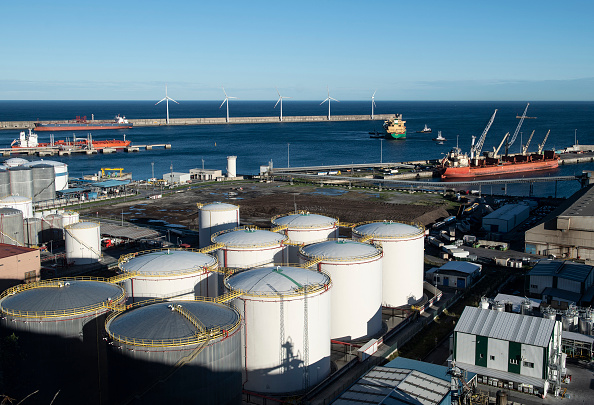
{"type": "Point", "coordinates": [81, 123]}
{"type": "Point", "coordinates": [30, 141]}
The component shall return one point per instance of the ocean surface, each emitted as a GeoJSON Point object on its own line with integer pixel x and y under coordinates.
{"type": "Point", "coordinates": [306, 144]}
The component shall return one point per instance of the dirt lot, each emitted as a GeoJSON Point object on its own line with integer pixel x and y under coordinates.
{"type": "Point", "coordinates": [260, 201]}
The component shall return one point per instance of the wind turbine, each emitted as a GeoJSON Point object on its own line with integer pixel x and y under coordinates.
{"type": "Point", "coordinates": [328, 99]}
{"type": "Point", "coordinates": [373, 103]}
{"type": "Point", "coordinates": [166, 99]}
{"type": "Point", "coordinates": [280, 100]}
{"type": "Point", "coordinates": [226, 100]}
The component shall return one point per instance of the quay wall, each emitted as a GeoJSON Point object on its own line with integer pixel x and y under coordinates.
{"type": "Point", "coordinates": [156, 122]}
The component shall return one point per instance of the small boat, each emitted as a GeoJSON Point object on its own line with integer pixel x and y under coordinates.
{"type": "Point", "coordinates": [439, 137]}
{"type": "Point", "coordinates": [425, 130]}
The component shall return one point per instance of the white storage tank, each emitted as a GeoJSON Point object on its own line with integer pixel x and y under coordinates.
{"type": "Point", "coordinates": [23, 204]}
{"type": "Point", "coordinates": [200, 341]}
{"type": "Point", "coordinates": [21, 181]}
{"type": "Point", "coordinates": [14, 162]}
{"type": "Point", "coordinates": [69, 217]}
{"type": "Point", "coordinates": [44, 179]}
{"type": "Point", "coordinates": [231, 166]}
{"type": "Point", "coordinates": [287, 327]}
{"type": "Point", "coordinates": [12, 227]}
{"type": "Point", "coordinates": [83, 242]}
{"type": "Point", "coordinates": [170, 273]}
{"type": "Point", "coordinates": [215, 217]}
{"type": "Point", "coordinates": [33, 234]}
{"type": "Point", "coordinates": [403, 262]}
{"type": "Point", "coordinates": [304, 228]}
{"type": "Point", "coordinates": [4, 183]}
{"type": "Point", "coordinates": [245, 247]}
{"type": "Point", "coordinates": [356, 272]}
{"type": "Point", "coordinates": [52, 227]}
{"type": "Point", "coordinates": [61, 172]}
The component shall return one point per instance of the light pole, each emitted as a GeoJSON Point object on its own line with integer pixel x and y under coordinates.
{"type": "Point", "coordinates": [153, 169]}
{"type": "Point", "coordinates": [381, 151]}
{"type": "Point", "coordinates": [575, 137]}
{"type": "Point", "coordinates": [288, 144]}
{"type": "Point", "coordinates": [122, 217]}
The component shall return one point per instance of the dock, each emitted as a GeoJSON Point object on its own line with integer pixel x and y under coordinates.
{"type": "Point", "coordinates": [158, 122]}
{"type": "Point", "coordinates": [54, 150]}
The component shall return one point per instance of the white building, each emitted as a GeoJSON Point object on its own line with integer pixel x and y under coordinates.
{"type": "Point", "coordinates": [561, 281]}
{"type": "Point", "coordinates": [454, 274]}
{"type": "Point", "coordinates": [176, 178]}
{"type": "Point", "coordinates": [509, 350]}
{"type": "Point", "coordinates": [506, 218]}
{"type": "Point", "coordinates": [205, 174]}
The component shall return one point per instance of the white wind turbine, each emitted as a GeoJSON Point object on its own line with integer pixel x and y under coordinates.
{"type": "Point", "coordinates": [328, 99]}
{"type": "Point", "coordinates": [280, 100]}
{"type": "Point", "coordinates": [166, 99]}
{"type": "Point", "coordinates": [373, 103]}
{"type": "Point", "coordinates": [226, 100]}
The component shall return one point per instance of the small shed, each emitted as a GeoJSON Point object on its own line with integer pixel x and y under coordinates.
{"type": "Point", "coordinates": [454, 274]}
{"type": "Point", "coordinates": [176, 178]}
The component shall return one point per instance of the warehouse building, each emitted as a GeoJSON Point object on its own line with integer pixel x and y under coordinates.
{"type": "Point", "coordinates": [506, 218]}
{"type": "Point", "coordinates": [566, 232]}
{"type": "Point", "coordinates": [176, 178]}
{"type": "Point", "coordinates": [454, 274]}
{"type": "Point", "coordinates": [561, 282]}
{"type": "Point", "coordinates": [18, 264]}
{"type": "Point", "coordinates": [509, 350]}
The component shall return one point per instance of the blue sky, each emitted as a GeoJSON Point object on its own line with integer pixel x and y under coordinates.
{"type": "Point", "coordinates": [406, 50]}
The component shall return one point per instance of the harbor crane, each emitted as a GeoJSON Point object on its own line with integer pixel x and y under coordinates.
{"type": "Point", "coordinates": [543, 142]}
{"type": "Point", "coordinates": [511, 142]}
{"type": "Point", "coordinates": [475, 150]}
{"type": "Point", "coordinates": [525, 147]}
{"type": "Point", "coordinates": [496, 151]}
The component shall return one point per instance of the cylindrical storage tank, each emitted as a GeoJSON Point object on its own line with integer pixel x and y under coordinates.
{"type": "Point", "coordinates": [356, 272]}
{"type": "Point", "coordinates": [231, 166]}
{"type": "Point", "coordinates": [499, 306]}
{"type": "Point", "coordinates": [526, 308]}
{"type": "Point", "coordinates": [567, 321]}
{"type": "Point", "coordinates": [304, 228]}
{"type": "Point", "coordinates": [403, 262]}
{"type": "Point", "coordinates": [170, 273]}
{"type": "Point", "coordinates": [4, 183]}
{"type": "Point", "coordinates": [484, 304]}
{"type": "Point", "coordinates": [11, 227]}
{"type": "Point", "coordinates": [83, 242]}
{"type": "Point", "coordinates": [248, 247]}
{"type": "Point", "coordinates": [61, 172]}
{"type": "Point", "coordinates": [583, 325]}
{"type": "Point", "coordinates": [33, 234]}
{"type": "Point", "coordinates": [23, 204]}
{"type": "Point", "coordinates": [501, 398]}
{"type": "Point", "coordinates": [21, 181]}
{"type": "Point", "coordinates": [69, 217]}
{"type": "Point", "coordinates": [216, 217]}
{"type": "Point", "coordinates": [52, 227]}
{"type": "Point", "coordinates": [152, 340]}
{"type": "Point", "coordinates": [549, 313]}
{"type": "Point", "coordinates": [58, 307]}
{"type": "Point", "coordinates": [508, 306]}
{"type": "Point", "coordinates": [287, 314]}
{"type": "Point", "coordinates": [14, 162]}
{"type": "Point", "coordinates": [44, 182]}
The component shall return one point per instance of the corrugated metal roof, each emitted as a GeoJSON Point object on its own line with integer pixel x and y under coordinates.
{"type": "Point", "coordinates": [464, 267]}
{"type": "Point", "coordinates": [563, 269]}
{"type": "Point", "coordinates": [577, 337]}
{"type": "Point", "coordinates": [565, 295]}
{"type": "Point", "coordinates": [111, 183]}
{"type": "Point", "coordinates": [508, 326]}
{"type": "Point", "coordinates": [508, 211]}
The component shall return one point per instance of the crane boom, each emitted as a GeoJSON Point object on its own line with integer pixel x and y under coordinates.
{"type": "Point", "coordinates": [475, 151]}
{"type": "Point", "coordinates": [543, 142]}
{"type": "Point", "coordinates": [518, 127]}
{"type": "Point", "coordinates": [496, 151]}
{"type": "Point", "coordinates": [525, 147]}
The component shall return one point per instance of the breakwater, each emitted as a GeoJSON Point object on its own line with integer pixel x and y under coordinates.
{"type": "Point", "coordinates": [157, 122]}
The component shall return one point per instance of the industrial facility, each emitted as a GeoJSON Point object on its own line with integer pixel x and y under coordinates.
{"type": "Point", "coordinates": [216, 217]}
{"type": "Point", "coordinates": [506, 218]}
{"type": "Point", "coordinates": [561, 283]}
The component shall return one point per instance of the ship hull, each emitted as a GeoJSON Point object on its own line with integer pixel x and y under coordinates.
{"type": "Point", "coordinates": [85, 127]}
{"type": "Point", "coordinates": [114, 144]}
{"type": "Point", "coordinates": [505, 168]}
{"type": "Point", "coordinates": [396, 135]}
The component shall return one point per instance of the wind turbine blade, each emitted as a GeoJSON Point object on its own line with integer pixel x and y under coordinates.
{"type": "Point", "coordinates": [223, 103]}
{"type": "Point", "coordinates": [374, 94]}
{"type": "Point", "coordinates": [160, 101]}
{"type": "Point", "coordinates": [333, 99]}
{"type": "Point", "coordinates": [277, 102]}
{"type": "Point", "coordinates": [374, 104]}
{"type": "Point", "coordinates": [286, 97]}
{"type": "Point", "coordinates": [224, 92]}
{"type": "Point", "coordinates": [323, 101]}
{"type": "Point", "coordinates": [277, 91]}
{"type": "Point", "coordinates": [172, 100]}
{"type": "Point", "coordinates": [231, 97]}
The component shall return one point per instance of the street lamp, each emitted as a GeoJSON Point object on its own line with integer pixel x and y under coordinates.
{"type": "Point", "coordinates": [288, 144]}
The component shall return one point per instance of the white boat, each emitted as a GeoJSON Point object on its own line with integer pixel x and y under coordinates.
{"type": "Point", "coordinates": [439, 137]}
{"type": "Point", "coordinates": [425, 130]}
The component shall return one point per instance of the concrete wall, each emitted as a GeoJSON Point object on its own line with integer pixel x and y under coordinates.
{"type": "Point", "coordinates": [574, 243]}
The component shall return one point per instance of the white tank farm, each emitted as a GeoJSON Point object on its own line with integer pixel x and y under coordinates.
{"type": "Point", "coordinates": [215, 217]}
{"type": "Point", "coordinates": [83, 242]}
{"type": "Point", "coordinates": [170, 273]}
{"type": "Point", "coordinates": [69, 217]}
{"type": "Point", "coordinates": [58, 307]}
{"type": "Point", "coordinates": [403, 262]}
{"type": "Point", "coordinates": [282, 350]}
{"type": "Point", "coordinates": [150, 340]}
{"type": "Point", "coordinates": [304, 228]}
{"type": "Point", "coordinates": [249, 247]}
{"type": "Point", "coordinates": [356, 272]}
{"type": "Point", "coordinates": [60, 171]}
{"type": "Point", "coordinates": [23, 204]}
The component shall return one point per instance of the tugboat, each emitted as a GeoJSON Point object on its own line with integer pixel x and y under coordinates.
{"type": "Point", "coordinates": [425, 130]}
{"type": "Point", "coordinates": [439, 138]}
{"type": "Point", "coordinates": [395, 127]}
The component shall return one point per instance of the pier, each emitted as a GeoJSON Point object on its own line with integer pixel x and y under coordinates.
{"type": "Point", "coordinates": [158, 122]}
{"type": "Point", "coordinates": [54, 150]}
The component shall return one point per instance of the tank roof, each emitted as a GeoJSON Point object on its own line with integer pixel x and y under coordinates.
{"type": "Point", "coordinates": [280, 280]}
{"type": "Point", "coordinates": [389, 229]}
{"type": "Point", "coordinates": [218, 206]}
{"type": "Point", "coordinates": [341, 250]}
{"type": "Point", "coordinates": [19, 168]}
{"type": "Point", "coordinates": [304, 220]}
{"type": "Point", "coordinates": [18, 161]}
{"type": "Point", "coordinates": [158, 322]}
{"type": "Point", "coordinates": [10, 211]}
{"type": "Point", "coordinates": [62, 296]}
{"type": "Point", "coordinates": [15, 199]}
{"type": "Point", "coordinates": [41, 165]}
{"type": "Point", "coordinates": [47, 162]}
{"type": "Point", "coordinates": [167, 262]}
{"type": "Point", "coordinates": [246, 237]}
{"type": "Point", "coordinates": [83, 225]}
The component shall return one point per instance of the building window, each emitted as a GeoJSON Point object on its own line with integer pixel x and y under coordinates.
{"type": "Point", "coordinates": [513, 361]}
{"type": "Point", "coordinates": [481, 355]}
{"type": "Point", "coordinates": [533, 286]}
{"type": "Point", "coordinates": [492, 357]}
{"type": "Point", "coordinates": [528, 364]}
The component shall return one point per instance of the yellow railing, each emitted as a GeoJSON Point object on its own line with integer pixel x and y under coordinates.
{"type": "Point", "coordinates": [346, 224]}
{"type": "Point", "coordinates": [247, 229]}
{"type": "Point", "coordinates": [211, 248]}
{"type": "Point", "coordinates": [110, 304]}
{"type": "Point", "coordinates": [200, 205]}
{"type": "Point", "coordinates": [420, 230]}
{"type": "Point", "coordinates": [312, 262]}
{"type": "Point", "coordinates": [193, 270]}
{"type": "Point", "coordinates": [228, 296]}
{"type": "Point", "coordinates": [279, 228]}
{"type": "Point", "coordinates": [300, 226]}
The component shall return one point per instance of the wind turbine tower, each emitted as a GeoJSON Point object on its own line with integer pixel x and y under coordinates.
{"type": "Point", "coordinates": [166, 99]}
{"type": "Point", "coordinates": [226, 100]}
{"type": "Point", "coordinates": [280, 100]}
{"type": "Point", "coordinates": [373, 103]}
{"type": "Point", "coordinates": [328, 99]}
